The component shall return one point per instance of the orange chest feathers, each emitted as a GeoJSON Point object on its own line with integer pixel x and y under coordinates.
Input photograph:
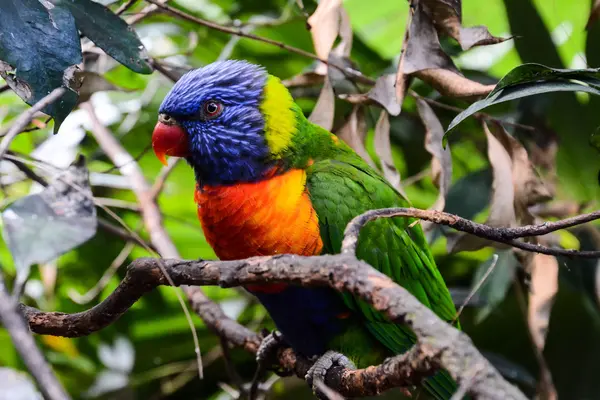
{"type": "Point", "coordinates": [273, 216]}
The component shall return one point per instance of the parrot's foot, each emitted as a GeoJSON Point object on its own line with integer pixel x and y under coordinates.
{"type": "Point", "coordinates": [265, 358]}
{"type": "Point", "coordinates": [316, 374]}
{"type": "Point", "coordinates": [268, 347]}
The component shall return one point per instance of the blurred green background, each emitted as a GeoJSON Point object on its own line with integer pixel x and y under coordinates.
{"type": "Point", "coordinates": [149, 353]}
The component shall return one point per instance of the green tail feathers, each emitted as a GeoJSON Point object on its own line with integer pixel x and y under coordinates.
{"type": "Point", "coordinates": [441, 386]}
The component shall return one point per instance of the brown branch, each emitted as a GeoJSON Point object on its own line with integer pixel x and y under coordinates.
{"type": "Point", "coordinates": [25, 118]}
{"type": "Point", "coordinates": [26, 347]}
{"type": "Point", "coordinates": [440, 345]}
{"type": "Point", "coordinates": [502, 235]}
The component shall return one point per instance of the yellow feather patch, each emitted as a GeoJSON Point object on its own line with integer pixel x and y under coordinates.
{"type": "Point", "coordinates": [280, 120]}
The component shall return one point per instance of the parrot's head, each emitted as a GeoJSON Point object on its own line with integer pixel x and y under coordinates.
{"type": "Point", "coordinates": [231, 120]}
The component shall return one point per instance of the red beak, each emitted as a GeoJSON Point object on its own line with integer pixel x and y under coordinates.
{"type": "Point", "coordinates": [169, 140]}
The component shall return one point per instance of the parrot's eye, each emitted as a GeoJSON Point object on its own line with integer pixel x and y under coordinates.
{"type": "Point", "coordinates": [212, 109]}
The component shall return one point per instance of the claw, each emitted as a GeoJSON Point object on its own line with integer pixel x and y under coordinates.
{"type": "Point", "coordinates": [316, 374]}
{"type": "Point", "coordinates": [269, 346]}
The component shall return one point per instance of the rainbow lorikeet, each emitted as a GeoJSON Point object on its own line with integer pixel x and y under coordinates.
{"type": "Point", "coordinates": [271, 182]}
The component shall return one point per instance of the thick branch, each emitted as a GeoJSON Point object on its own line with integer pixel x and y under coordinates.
{"type": "Point", "coordinates": [444, 346]}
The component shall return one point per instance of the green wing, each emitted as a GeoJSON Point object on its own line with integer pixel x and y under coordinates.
{"type": "Point", "coordinates": [344, 187]}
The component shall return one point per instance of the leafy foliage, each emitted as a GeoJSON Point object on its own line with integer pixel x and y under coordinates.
{"type": "Point", "coordinates": [546, 138]}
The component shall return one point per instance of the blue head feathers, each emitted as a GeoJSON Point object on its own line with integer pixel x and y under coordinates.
{"type": "Point", "coordinates": [218, 106]}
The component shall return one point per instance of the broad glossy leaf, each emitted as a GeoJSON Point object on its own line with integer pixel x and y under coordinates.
{"type": "Point", "coordinates": [39, 49]}
{"type": "Point", "coordinates": [110, 33]}
{"type": "Point", "coordinates": [517, 91]}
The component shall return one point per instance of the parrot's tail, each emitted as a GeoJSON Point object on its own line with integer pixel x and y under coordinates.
{"type": "Point", "coordinates": [441, 386]}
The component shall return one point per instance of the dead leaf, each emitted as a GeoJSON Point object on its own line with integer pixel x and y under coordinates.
{"type": "Point", "coordinates": [594, 15]}
{"type": "Point", "coordinates": [382, 94]}
{"type": "Point", "coordinates": [309, 78]}
{"type": "Point", "coordinates": [447, 17]}
{"type": "Point", "coordinates": [353, 132]}
{"type": "Point", "coordinates": [477, 36]}
{"type": "Point", "coordinates": [324, 26]}
{"type": "Point", "coordinates": [529, 188]}
{"type": "Point", "coordinates": [517, 187]}
{"type": "Point", "coordinates": [383, 148]}
{"type": "Point", "coordinates": [453, 84]}
{"type": "Point", "coordinates": [344, 48]}
{"type": "Point", "coordinates": [441, 161]}
{"type": "Point", "coordinates": [423, 49]}
{"type": "Point", "coordinates": [324, 110]}
{"type": "Point", "coordinates": [502, 211]}
{"type": "Point", "coordinates": [327, 22]}
{"type": "Point", "coordinates": [543, 289]}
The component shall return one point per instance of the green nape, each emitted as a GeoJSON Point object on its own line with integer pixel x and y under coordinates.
{"type": "Point", "coordinates": [341, 186]}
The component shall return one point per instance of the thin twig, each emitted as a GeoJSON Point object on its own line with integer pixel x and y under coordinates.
{"type": "Point", "coordinates": [476, 288]}
{"type": "Point", "coordinates": [240, 32]}
{"type": "Point", "coordinates": [501, 235]}
{"type": "Point", "coordinates": [25, 345]}
{"type": "Point", "coordinates": [478, 115]}
{"type": "Point", "coordinates": [125, 6]}
{"type": "Point", "coordinates": [161, 179]}
{"type": "Point", "coordinates": [25, 118]}
{"type": "Point", "coordinates": [106, 277]}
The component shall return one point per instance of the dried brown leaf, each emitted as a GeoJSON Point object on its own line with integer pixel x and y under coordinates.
{"type": "Point", "coordinates": [327, 22]}
{"type": "Point", "coordinates": [324, 26]}
{"type": "Point", "coordinates": [502, 210]}
{"type": "Point", "coordinates": [423, 49]}
{"type": "Point", "coordinates": [594, 15]}
{"type": "Point", "coordinates": [477, 36]}
{"type": "Point", "coordinates": [353, 132]}
{"type": "Point", "coordinates": [344, 48]}
{"type": "Point", "coordinates": [447, 18]}
{"type": "Point", "coordinates": [310, 78]}
{"type": "Point", "coordinates": [529, 188]}
{"type": "Point", "coordinates": [544, 286]}
{"type": "Point", "coordinates": [383, 148]}
{"type": "Point", "coordinates": [324, 110]}
{"type": "Point", "coordinates": [453, 84]}
{"type": "Point", "coordinates": [441, 162]}
{"type": "Point", "coordinates": [382, 94]}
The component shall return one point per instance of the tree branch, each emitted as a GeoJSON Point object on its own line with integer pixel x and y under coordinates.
{"type": "Point", "coordinates": [440, 345]}
{"type": "Point", "coordinates": [357, 75]}
{"type": "Point", "coordinates": [501, 235]}
{"type": "Point", "coordinates": [27, 348]}
{"type": "Point", "coordinates": [26, 117]}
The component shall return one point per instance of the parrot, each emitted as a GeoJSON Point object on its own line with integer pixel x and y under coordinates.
{"type": "Point", "coordinates": [268, 182]}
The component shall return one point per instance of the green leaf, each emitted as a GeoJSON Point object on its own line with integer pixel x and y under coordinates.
{"type": "Point", "coordinates": [110, 33]}
{"type": "Point", "coordinates": [39, 49]}
{"type": "Point", "coordinates": [517, 90]}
